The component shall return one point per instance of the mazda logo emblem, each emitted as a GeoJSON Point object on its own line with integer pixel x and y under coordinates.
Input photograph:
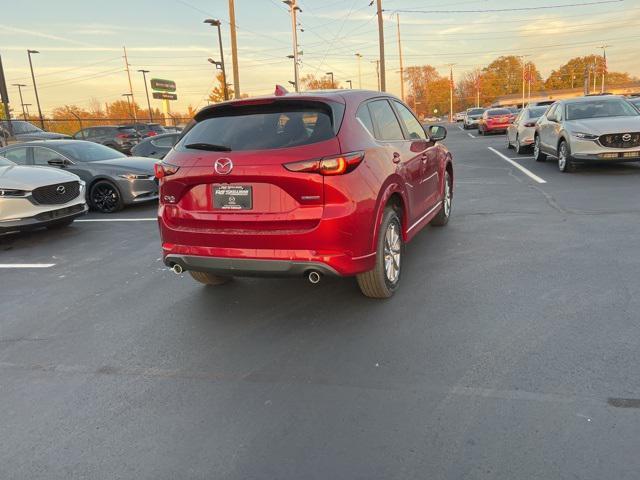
{"type": "Point", "coordinates": [626, 137]}
{"type": "Point", "coordinates": [61, 189]}
{"type": "Point", "coordinates": [223, 166]}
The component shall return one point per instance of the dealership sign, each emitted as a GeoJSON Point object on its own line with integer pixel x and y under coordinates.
{"type": "Point", "coordinates": [161, 85]}
{"type": "Point", "coordinates": [164, 96]}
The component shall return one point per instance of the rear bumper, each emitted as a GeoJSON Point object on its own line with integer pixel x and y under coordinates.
{"type": "Point", "coordinates": [247, 267]}
{"type": "Point", "coordinates": [495, 128]}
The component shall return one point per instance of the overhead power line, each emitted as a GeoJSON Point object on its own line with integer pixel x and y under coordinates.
{"type": "Point", "coordinates": [514, 9]}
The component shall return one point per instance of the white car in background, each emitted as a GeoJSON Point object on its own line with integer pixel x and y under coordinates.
{"type": "Point", "coordinates": [33, 197]}
{"type": "Point", "coordinates": [521, 132]}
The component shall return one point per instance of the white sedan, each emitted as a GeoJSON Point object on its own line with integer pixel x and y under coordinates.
{"type": "Point", "coordinates": [32, 197]}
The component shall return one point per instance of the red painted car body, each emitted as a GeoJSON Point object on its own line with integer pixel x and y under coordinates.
{"type": "Point", "coordinates": [299, 219]}
{"type": "Point", "coordinates": [495, 120]}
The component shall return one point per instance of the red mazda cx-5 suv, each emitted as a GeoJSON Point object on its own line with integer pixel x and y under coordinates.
{"type": "Point", "coordinates": [317, 183]}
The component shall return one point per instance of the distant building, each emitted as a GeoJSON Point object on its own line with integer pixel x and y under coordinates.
{"type": "Point", "coordinates": [516, 99]}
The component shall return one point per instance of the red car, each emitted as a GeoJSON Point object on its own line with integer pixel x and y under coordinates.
{"type": "Point", "coordinates": [495, 120]}
{"type": "Point", "coordinates": [318, 183]}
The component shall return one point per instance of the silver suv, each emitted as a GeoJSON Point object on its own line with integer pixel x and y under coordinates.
{"type": "Point", "coordinates": [588, 129]}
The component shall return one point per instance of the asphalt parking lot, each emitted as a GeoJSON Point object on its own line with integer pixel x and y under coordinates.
{"type": "Point", "coordinates": [511, 350]}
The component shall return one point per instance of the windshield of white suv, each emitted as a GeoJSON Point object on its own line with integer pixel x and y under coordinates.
{"type": "Point", "coordinates": [614, 107]}
{"type": "Point", "coordinates": [5, 162]}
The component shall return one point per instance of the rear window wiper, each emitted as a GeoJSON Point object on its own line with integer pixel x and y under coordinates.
{"type": "Point", "coordinates": [208, 146]}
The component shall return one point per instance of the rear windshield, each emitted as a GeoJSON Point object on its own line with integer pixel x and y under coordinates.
{"type": "Point", "coordinates": [614, 107]}
{"type": "Point", "coordinates": [496, 112]}
{"type": "Point", "coordinates": [535, 112]}
{"type": "Point", "coordinates": [476, 111]}
{"type": "Point", "coordinates": [263, 127]}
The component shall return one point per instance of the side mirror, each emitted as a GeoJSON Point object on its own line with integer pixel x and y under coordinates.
{"type": "Point", "coordinates": [437, 133]}
{"type": "Point", "coordinates": [57, 162]}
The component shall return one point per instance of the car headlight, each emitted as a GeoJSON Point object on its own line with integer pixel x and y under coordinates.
{"type": "Point", "coordinates": [136, 176]}
{"type": "Point", "coordinates": [10, 192]}
{"type": "Point", "coordinates": [585, 136]}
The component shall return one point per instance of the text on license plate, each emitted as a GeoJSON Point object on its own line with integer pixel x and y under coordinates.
{"type": "Point", "coordinates": [232, 197]}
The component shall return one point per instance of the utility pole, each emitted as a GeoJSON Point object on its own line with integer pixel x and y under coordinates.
{"type": "Point", "coordinates": [35, 87]}
{"type": "Point", "coordinates": [377, 62]}
{"type": "Point", "coordinates": [333, 85]}
{"type": "Point", "coordinates": [128, 95]}
{"type": "Point", "coordinates": [20, 85]}
{"type": "Point", "coordinates": [604, 64]}
{"type": "Point", "coordinates": [359, 56]}
{"type": "Point", "coordinates": [146, 89]}
{"type": "Point", "coordinates": [4, 98]}
{"type": "Point", "coordinates": [451, 92]}
{"type": "Point", "coordinates": [529, 80]}
{"type": "Point", "coordinates": [477, 89]}
{"type": "Point", "coordinates": [382, 75]}
{"type": "Point", "coordinates": [401, 66]}
{"type": "Point", "coordinates": [595, 75]}
{"type": "Point", "coordinates": [126, 63]}
{"type": "Point", "coordinates": [225, 89]}
{"type": "Point", "coordinates": [234, 50]}
{"type": "Point", "coordinates": [293, 10]}
{"type": "Point", "coordinates": [524, 65]}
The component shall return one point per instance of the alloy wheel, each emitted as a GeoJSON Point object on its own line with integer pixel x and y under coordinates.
{"type": "Point", "coordinates": [447, 198]}
{"type": "Point", "coordinates": [105, 198]}
{"type": "Point", "coordinates": [562, 157]}
{"type": "Point", "coordinates": [392, 247]}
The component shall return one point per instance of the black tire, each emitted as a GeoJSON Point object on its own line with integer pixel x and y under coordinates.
{"type": "Point", "coordinates": [538, 155]}
{"type": "Point", "coordinates": [565, 162]}
{"type": "Point", "coordinates": [60, 224]}
{"type": "Point", "coordinates": [376, 283]}
{"type": "Point", "coordinates": [519, 148]}
{"type": "Point", "coordinates": [509, 146]}
{"type": "Point", "coordinates": [209, 278]}
{"type": "Point", "coordinates": [105, 197]}
{"type": "Point", "coordinates": [442, 218]}
{"type": "Point", "coordinates": [480, 132]}
{"type": "Point", "coordinates": [464, 126]}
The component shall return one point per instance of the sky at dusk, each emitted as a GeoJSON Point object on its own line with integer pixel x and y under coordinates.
{"type": "Point", "coordinates": [81, 41]}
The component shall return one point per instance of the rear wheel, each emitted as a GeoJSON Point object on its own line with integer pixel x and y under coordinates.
{"type": "Point", "coordinates": [519, 147]}
{"type": "Point", "coordinates": [480, 132]}
{"type": "Point", "coordinates": [383, 280]}
{"type": "Point", "coordinates": [442, 218]}
{"type": "Point", "coordinates": [509, 145]}
{"type": "Point", "coordinates": [209, 278]}
{"type": "Point", "coordinates": [537, 151]}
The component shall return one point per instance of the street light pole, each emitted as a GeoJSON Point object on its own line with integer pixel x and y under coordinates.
{"type": "Point", "coordinates": [216, 23]}
{"type": "Point", "coordinates": [293, 10]}
{"type": "Point", "coordinates": [146, 89]}
{"type": "Point", "coordinates": [524, 65]}
{"type": "Point", "coordinates": [350, 84]}
{"type": "Point", "coordinates": [451, 92]}
{"type": "Point", "coordinates": [359, 56]}
{"type": "Point", "coordinates": [234, 50]}
{"type": "Point", "coordinates": [604, 64]}
{"type": "Point", "coordinates": [35, 88]}
{"type": "Point", "coordinates": [401, 65]}
{"type": "Point", "coordinates": [128, 95]}
{"type": "Point", "coordinates": [20, 85]}
{"type": "Point", "coordinates": [377, 62]}
{"type": "Point", "coordinates": [333, 85]}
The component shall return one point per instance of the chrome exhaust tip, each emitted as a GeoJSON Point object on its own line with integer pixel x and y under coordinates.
{"type": "Point", "coordinates": [177, 269]}
{"type": "Point", "coordinates": [314, 277]}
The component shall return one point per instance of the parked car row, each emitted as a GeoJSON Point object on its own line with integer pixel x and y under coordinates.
{"type": "Point", "coordinates": [594, 128]}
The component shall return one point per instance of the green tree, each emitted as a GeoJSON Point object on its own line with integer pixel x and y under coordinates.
{"type": "Point", "coordinates": [504, 76]}
{"type": "Point", "coordinates": [574, 72]}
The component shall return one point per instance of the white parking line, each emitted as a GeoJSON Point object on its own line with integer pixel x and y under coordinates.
{"type": "Point", "coordinates": [527, 172]}
{"type": "Point", "coordinates": [118, 220]}
{"type": "Point", "coordinates": [471, 135]}
{"type": "Point", "coordinates": [519, 158]}
{"type": "Point", "coordinates": [26, 265]}
{"type": "Point", "coordinates": [461, 129]}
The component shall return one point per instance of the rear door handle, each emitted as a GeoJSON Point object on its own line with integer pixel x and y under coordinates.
{"type": "Point", "coordinates": [396, 157]}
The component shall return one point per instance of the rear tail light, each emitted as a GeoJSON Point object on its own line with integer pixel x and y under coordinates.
{"type": "Point", "coordinates": [151, 134]}
{"type": "Point", "coordinates": [530, 124]}
{"type": "Point", "coordinates": [122, 135]}
{"type": "Point", "coordinates": [162, 169]}
{"type": "Point", "coordinates": [327, 166]}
